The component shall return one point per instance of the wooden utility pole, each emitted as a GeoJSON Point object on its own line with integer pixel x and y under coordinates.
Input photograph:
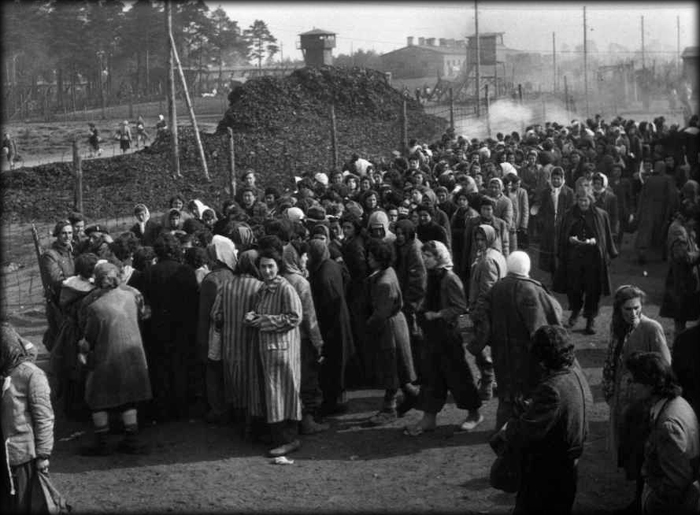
{"type": "Point", "coordinates": [78, 175]}
{"type": "Point", "coordinates": [404, 128]}
{"type": "Point", "coordinates": [554, 61]}
{"type": "Point", "coordinates": [643, 56]}
{"type": "Point", "coordinates": [172, 107]}
{"type": "Point", "coordinates": [566, 97]}
{"type": "Point", "coordinates": [585, 60]}
{"type": "Point", "coordinates": [334, 137]}
{"type": "Point", "coordinates": [678, 42]}
{"type": "Point", "coordinates": [452, 110]}
{"type": "Point", "coordinates": [193, 119]}
{"type": "Point", "coordinates": [478, 58]}
{"type": "Point", "coordinates": [488, 118]}
{"type": "Point", "coordinates": [232, 165]}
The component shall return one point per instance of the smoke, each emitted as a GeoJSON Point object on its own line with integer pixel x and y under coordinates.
{"type": "Point", "coordinates": [507, 116]}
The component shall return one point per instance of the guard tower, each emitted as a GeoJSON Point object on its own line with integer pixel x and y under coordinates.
{"type": "Point", "coordinates": [317, 46]}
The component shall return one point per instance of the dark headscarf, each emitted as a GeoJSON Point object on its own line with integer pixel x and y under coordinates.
{"type": "Point", "coordinates": [318, 253]}
{"type": "Point", "coordinates": [12, 352]}
{"type": "Point", "coordinates": [408, 228]}
{"type": "Point", "coordinates": [246, 263]}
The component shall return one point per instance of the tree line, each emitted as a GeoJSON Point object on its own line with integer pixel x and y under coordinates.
{"type": "Point", "coordinates": [110, 47]}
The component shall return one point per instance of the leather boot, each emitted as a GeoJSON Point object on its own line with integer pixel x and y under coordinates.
{"type": "Point", "coordinates": [99, 445]}
{"type": "Point", "coordinates": [131, 444]}
{"type": "Point", "coordinates": [309, 426]}
{"type": "Point", "coordinates": [590, 326]}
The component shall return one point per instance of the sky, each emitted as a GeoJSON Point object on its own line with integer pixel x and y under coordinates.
{"type": "Point", "coordinates": [384, 26]}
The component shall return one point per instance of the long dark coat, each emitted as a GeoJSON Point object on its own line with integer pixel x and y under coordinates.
{"type": "Point", "coordinates": [118, 372]}
{"type": "Point", "coordinates": [654, 207]}
{"type": "Point", "coordinates": [551, 225]}
{"type": "Point", "coordinates": [604, 244]}
{"type": "Point", "coordinates": [334, 322]}
{"type": "Point", "coordinates": [516, 307]}
{"type": "Point", "coordinates": [550, 435]}
{"type": "Point", "coordinates": [681, 299]}
{"type": "Point", "coordinates": [388, 331]}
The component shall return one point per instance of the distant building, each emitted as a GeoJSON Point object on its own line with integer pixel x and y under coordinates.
{"type": "Point", "coordinates": [690, 67]}
{"type": "Point", "coordinates": [426, 58]}
{"type": "Point", "coordinates": [317, 46]}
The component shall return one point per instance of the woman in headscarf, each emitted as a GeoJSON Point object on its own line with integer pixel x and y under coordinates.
{"type": "Point", "coordinates": [681, 299]}
{"type": "Point", "coordinates": [295, 257]}
{"type": "Point", "coordinates": [222, 254]}
{"type": "Point", "coordinates": [388, 331]}
{"type": "Point", "coordinates": [276, 317]}
{"type": "Point", "coordinates": [585, 248]}
{"type": "Point", "coordinates": [56, 264]}
{"type": "Point", "coordinates": [328, 292]}
{"type": "Point", "coordinates": [445, 365]}
{"type": "Point", "coordinates": [67, 376]}
{"type": "Point", "coordinates": [145, 229]}
{"type": "Point", "coordinates": [117, 377]}
{"type": "Point", "coordinates": [237, 297]}
{"type": "Point", "coordinates": [630, 331]}
{"type": "Point", "coordinates": [458, 225]}
{"type": "Point", "coordinates": [26, 419]}
{"type": "Point", "coordinates": [378, 227]}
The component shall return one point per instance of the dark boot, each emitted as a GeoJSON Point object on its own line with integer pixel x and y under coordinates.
{"type": "Point", "coordinates": [131, 444]}
{"type": "Point", "coordinates": [590, 326]}
{"type": "Point", "coordinates": [99, 445]}
{"type": "Point", "coordinates": [573, 319]}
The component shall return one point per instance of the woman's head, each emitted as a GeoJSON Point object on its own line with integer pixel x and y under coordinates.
{"type": "Point", "coordinates": [85, 264]}
{"type": "Point", "coordinates": [436, 255]}
{"type": "Point", "coordinates": [270, 264]}
{"type": "Point", "coordinates": [106, 275]}
{"type": "Point", "coordinates": [627, 305]}
{"type": "Point", "coordinates": [552, 346]}
{"type": "Point", "coordinates": [379, 254]}
{"type": "Point", "coordinates": [167, 246]}
{"type": "Point", "coordinates": [654, 374]}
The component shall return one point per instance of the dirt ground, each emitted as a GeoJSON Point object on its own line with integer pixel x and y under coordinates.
{"type": "Point", "coordinates": [196, 467]}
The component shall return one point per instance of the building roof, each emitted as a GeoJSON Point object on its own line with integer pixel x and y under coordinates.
{"type": "Point", "coordinates": [457, 49]}
{"type": "Point", "coordinates": [317, 32]}
{"type": "Point", "coordinates": [486, 34]}
{"type": "Point", "coordinates": [690, 51]}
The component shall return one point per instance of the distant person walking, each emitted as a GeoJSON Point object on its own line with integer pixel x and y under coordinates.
{"type": "Point", "coordinates": [9, 149]}
{"type": "Point", "coordinates": [124, 136]}
{"type": "Point", "coordinates": [141, 134]}
{"type": "Point", "coordinates": [161, 125]}
{"type": "Point", "coordinates": [94, 140]}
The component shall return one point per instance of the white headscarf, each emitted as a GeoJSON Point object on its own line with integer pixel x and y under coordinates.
{"type": "Point", "coordinates": [223, 249]}
{"type": "Point", "coordinates": [442, 256]}
{"type": "Point", "coordinates": [518, 263]}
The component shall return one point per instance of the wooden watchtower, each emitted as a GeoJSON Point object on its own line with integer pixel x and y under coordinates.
{"type": "Point", "coordinates": [317, 46]}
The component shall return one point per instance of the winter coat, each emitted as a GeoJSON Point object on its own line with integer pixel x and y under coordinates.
{"type": "Point", "coordinates": [654, 209]}
{"type": "Point", "coordinates": [147, 236]}
{"type": "Point", "coordinates": [515, 308]}
{"type": "Point", "coordinates": [488, 268]}
{"type": "Point", "coordinates": [686, 364]}
{"type": "Point", "coordinates": [599, 223]}
{"type": "Point", "coordinates": [502, 242]}
{"type": "Point", "coordinates": [681, 299]}
{"type": "Point", "coordinates": [118, 372]}
{"type": "Point", "coordinates": [550, 225]}
{"type": "Point", "coordinates": [27, 416]}
{"type": "Point", "coordinates": [410, 269]}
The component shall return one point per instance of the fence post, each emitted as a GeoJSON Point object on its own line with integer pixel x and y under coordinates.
{"type": "Point", "coordinates": [452, 109]}
{"type": "Point", "coordinates": [232, 168]}
{"type": "Point", "coordinates": [78, 175]}
{"type": "Point", "coordinates": [334, 137]}
{"type": "Point", "coordinates": [404, 128]}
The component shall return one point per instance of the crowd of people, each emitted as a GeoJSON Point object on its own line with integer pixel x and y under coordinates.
{"type": "Point", "coordinates": [263, 312]}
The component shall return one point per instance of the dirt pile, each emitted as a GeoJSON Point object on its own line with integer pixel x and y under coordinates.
{"type": "Point", "coordinates": [281, 128]}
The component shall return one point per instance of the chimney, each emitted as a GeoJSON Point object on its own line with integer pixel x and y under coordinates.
{"type": "Point", "coordinates": [442, 42]}
{"type": "Point", "coordinates": [409, 41]}
{"type": "Point", "coordinates": [430, 41]}
{"type": "Point", "coordinates": [421, 41]}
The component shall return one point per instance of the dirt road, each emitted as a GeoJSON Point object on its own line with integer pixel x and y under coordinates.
{"type": "Point", "coordinates": [195, 467]}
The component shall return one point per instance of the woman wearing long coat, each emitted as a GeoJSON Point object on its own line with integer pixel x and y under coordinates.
{"type": "Point", "coordinates": [117, 375]}
{"type": "Point", "coordinates": [681, 299]}
{"type": "Point", "coordinates": [551, 217]}
{"type": "Point", "coordinates": [276, 316]}
{"type": "Point", "coordinates": [67, 376]}
{"type": "Point", "coordinates": [585, 248]}
{"type": "Point", "coordinates": [630, 331]}
{"type": "Point", "coordinates": [241, 368]}
{"type": "Point", "coordinates": [222, 252]}
{"type": "Point", "coordinates": [334, 321]}
{"type": "Point", "coordinates": [654, 208]}
{"type": "Point", "coordinates": [388, 331]}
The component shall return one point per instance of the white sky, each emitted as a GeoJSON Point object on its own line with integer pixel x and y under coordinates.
{"type": "Point", "coordinates": [384, 26]}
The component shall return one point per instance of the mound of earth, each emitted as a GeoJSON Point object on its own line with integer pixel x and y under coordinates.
{"type": "Point", "coordinates": [281, 128]}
